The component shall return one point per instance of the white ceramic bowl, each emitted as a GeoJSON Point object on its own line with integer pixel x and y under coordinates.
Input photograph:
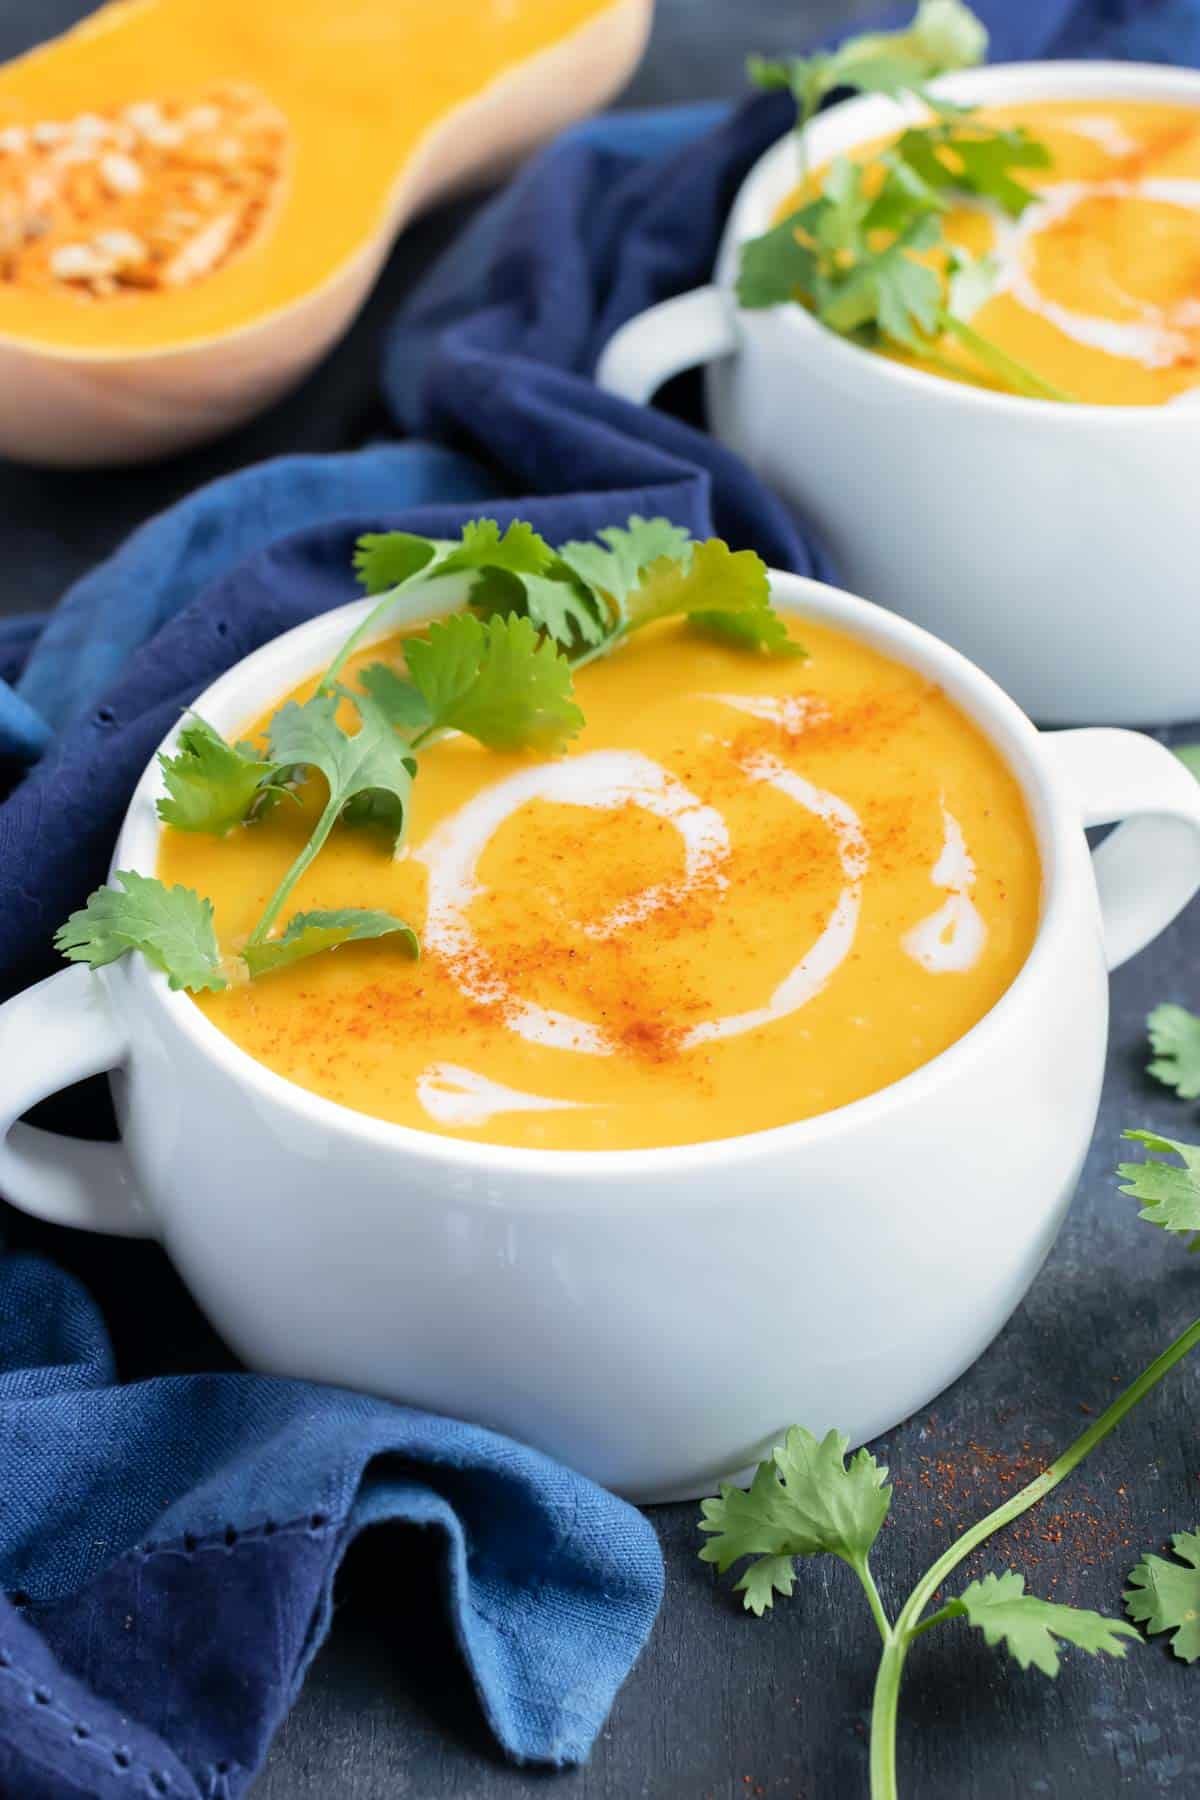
{"type": "Point", "coordinates": [1055, 545]}
{"type": "Point", "coordinates": [653, 1317]}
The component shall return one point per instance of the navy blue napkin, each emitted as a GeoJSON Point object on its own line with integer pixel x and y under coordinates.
{"type": "Point", "coordinates": [172, 1542]}
{"type": "Point", "coordinates": [168, 1549]}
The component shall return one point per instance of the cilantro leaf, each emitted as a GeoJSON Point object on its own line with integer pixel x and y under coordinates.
{"type": "Point", "coordinates": [309, 933]}
{"type": "Point", "coordinates": [765, 1577]}
{"type": "Point", "coordinates": [172, 927]}
{"type": "Point", "coordinates": [402, 704]}
{"type": "Point", "coordinates": [844, 1505]}
{"type": "Point", "coordinates": [828, 251]}
{"type": "Point", "coordinates": [373, 762]}
{"type": "Point", "coordinates": [397, 566]}
{"type": "Point", "coordinates": [387, 559]}
{"type": "Point", "coordinates": [1165, 1596]}
{"type": "Point", "coordinates": [1175, 1040]}
{"type": "Point", "coordinates": [972, 282]}
{"type": "Point", "coordinates": [519, 550]}
{"type": "Point", "coordinates": [614, 566]}
{"type": "Point", "coordinates": [804, 1501]}
{"type": "Point", "coordinates": [211, 785]}
{"type": "Point", "coordinates": [369, 776]}
{"type": "Point", "coordinates": [947, 35]}
{"type": "Point", "coordinates": [723, 592]}
{"type": "Point", "coordinates": [944, 35]}
{"type": "Point", "coordinates": [558, 603]}
{"type": "Point", "coordinates": [890, 290]}
{"type": "Point", "coordinates": [715, 578]}
{"type": "Point", "coordinates": [1172, 1193]}
{"type": "Point", "coordinates": [778, 266]}
{"type": "Point", "coordinates": [562, 606]}
{"type": "Point", "coordinates": [496, 680]}
{"type": "Point", "coordinates": [1028, 1627]}
{"type": "Point", "coordinates": [754, 629]}
{"type": "Point", "coordinates": [974, 159]}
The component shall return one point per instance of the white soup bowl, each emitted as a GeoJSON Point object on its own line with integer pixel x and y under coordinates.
{"type": "Point", "coordinates": [655, 1318]}
{"type": "Point", "coordinates": [1056, 545]}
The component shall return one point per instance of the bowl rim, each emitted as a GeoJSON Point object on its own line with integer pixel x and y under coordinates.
{"type": "Point", "coordinates": [275, 667]}
{"type": "Point", "coordinates": [866, 116]}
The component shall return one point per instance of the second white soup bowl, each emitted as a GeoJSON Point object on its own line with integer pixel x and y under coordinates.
{"type": "Point", "coordinates": [655, 1318]}
{"type": "Point", "coordinates": [1057, 545]}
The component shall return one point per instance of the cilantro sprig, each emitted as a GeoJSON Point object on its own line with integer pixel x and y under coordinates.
{"type": "Point", "coordinates": [869, 256]}
{"type": "Point", "coordinates": [498, 669]}
{"type": "Point", "coordinates": [806, 1499]}
{"type": "Point", "coordinates": [172, 927]}
{"type": "Point", "coordinates": [1164, 1596]}
{"type": "Point", "coordinates": [368, 774]}
{"type": "Point", "coordinates": [212, 785]}
{"type": "Point", "coordinates": [585, 597]}
{"type": "Point", "coordinates": [944, 35]}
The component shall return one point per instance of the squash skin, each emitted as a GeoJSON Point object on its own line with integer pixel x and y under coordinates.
{"type": "Point", "coordinates": [78, 390]}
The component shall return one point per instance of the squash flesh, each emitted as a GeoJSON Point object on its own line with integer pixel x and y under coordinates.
{"type": "Point", "coordinates": [362, 85]}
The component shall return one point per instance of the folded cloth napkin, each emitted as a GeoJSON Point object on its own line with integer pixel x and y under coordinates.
{"type": "Point", "coordinates": [173, 1543]}
{"type": "Point", "coordinates": [176, 1538]}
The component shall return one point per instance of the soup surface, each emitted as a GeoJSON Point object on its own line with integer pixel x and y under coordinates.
{"type": "Point", "coordinates": [1099, 280]}
{"type": "Point", "coordinates": [754, 889]}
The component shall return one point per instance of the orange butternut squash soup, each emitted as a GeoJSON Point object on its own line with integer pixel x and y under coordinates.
{"type": "Point", "coordinates": [753, 889]}
{"type": "Point", "coordinates": [1096, 285]}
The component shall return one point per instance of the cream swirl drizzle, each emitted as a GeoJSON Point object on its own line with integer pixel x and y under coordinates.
{"type": "Point", "coordinates": [458, 1096]}
{"type": "Point", "coordinates": [951, 939]}
{"type": "Point", "coordinates": [1156, 336]}
{"type": "Point", "coordinates": [603, 779]}
{"type": "Point", "coordinates": [812, 973]}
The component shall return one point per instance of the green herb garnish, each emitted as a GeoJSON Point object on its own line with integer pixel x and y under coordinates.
{"type": "Point", "coordinates": [1165, 1596]}
{"type": "Point", "coordinates": [1175, 1040]}
{"type": "Point", "coordinates": [211, 785]}
{"type": "Point", "coordinates": [498, 669]}
{"type": "Point", "coordinates": [496, 680]}
{"type": "Point", "coordinates": [370, 772]}
{"type": "Point", "coordinates": [309, 933]}
{"type": "Point", "coordinates": [172, 927]}
{"type": "Point", "coordinates": [874, 266]}
{"type": "Point", "coordinates": [944, 35]}
{"type": "Point", "coordinates": [806, 1500]}
{"type": "Point", "coordinates": [1171, 1193]}
{"type": "Point", "coordinates": [585, 596]}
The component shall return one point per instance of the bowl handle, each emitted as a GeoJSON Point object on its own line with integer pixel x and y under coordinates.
{"type": "Point", "coordinates": [1149, 868]}
{"type": "Point", "coordinates": [678, 334]}
{"type": "Point", "coordinates": [51, 1035]}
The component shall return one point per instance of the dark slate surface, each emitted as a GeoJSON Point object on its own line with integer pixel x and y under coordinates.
{"type": "Point", "coordinates": [723, 1706]}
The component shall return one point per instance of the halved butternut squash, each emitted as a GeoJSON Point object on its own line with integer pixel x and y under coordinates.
{"type": "Point", "coordinates": [195, 195]}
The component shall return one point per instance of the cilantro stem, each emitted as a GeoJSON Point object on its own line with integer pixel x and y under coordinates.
{"type": "Point", "coordinates": [909, 1623]}
{"type": "Point", "coordinates": [863, 1571]}
{"type": "Point", "coordinates": [938, 1618]}
{"type": "Point", "coordinates": [310, 851]}
{"type": "Point", "coordinates": [806, 112]}
{"type": "Point", "coordinates": [1014, 374]}
{"type": "Point", "coordinates": [357, 635]}
{"type": "Point", "coordinates": [414, 591]}
{"type": "Point", "coordinates": [604, 648]}
{"type": "Point", "coordinates": [432, 734]}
